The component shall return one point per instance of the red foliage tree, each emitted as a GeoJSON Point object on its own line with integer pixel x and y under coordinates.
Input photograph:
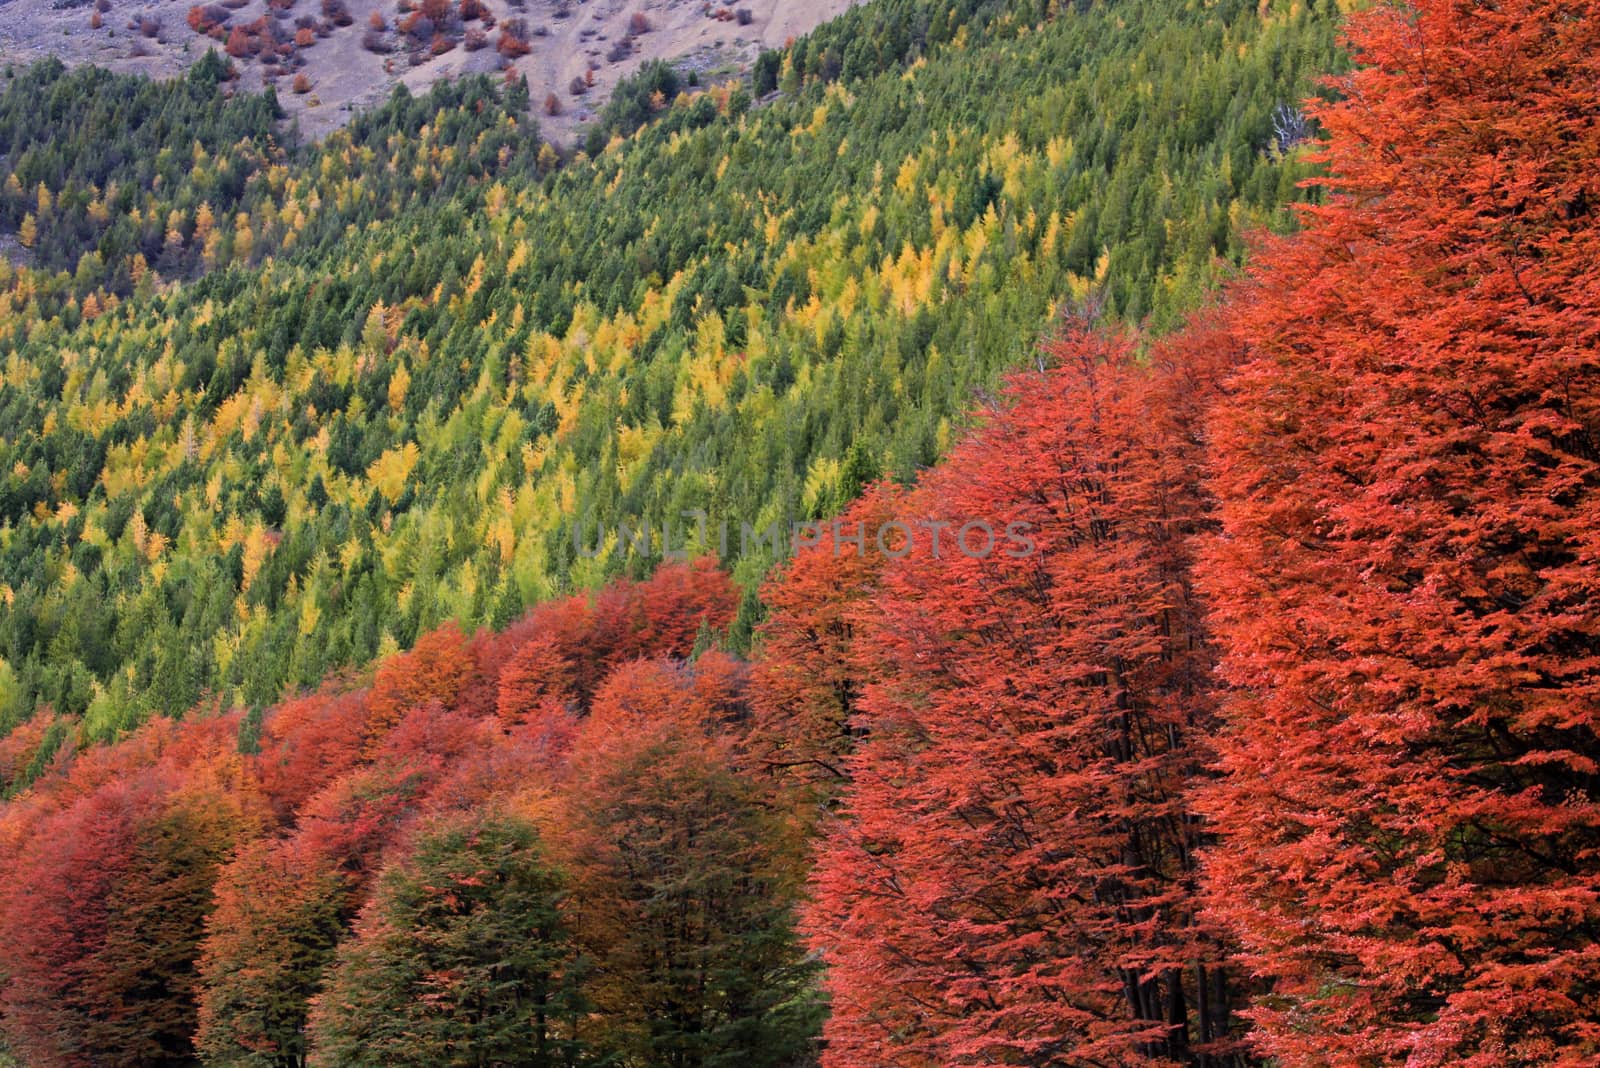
{"type": "Point", "coordinates": [1013, 878]}
{"type": "Point", "coordinates": [54, 919]}
{"type": "Point", "coordinates": [706, 696]}
{"type": "Point", "coordinates": [538, 678]}
{"type": "Point", "coordinates": [306, 743]}
{"type": "Point", "coordinates": [435, 670]}
{"type": "Point", "coordinates": [282, 906]}
{"type": "Point", "coordinates": [513, 39]}
{"type": "Point", "coordinates": [666, 614]}
{"type": "Point", "coordinates": [1407, 580]}
{"type": "Point", "coordinates": [240, 44]}
{"type": "Point", "coordinates": [281, 910]}
{"type": "Point", "coordinates": [809, 673]}
{"type": "Point", "coordinates": [19, 747]}
{"type": "Point", "coordinates": [102, 911]}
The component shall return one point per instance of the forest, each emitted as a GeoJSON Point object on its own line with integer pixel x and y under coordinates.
{"type": "Point", "coordinates": [1274, 741]}
{"type": "Point", "coordinates": [418, 362]}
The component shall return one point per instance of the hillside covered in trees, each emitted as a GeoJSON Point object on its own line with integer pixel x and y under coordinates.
{"type": "Point", "coordinates": [1199, 670]}
{"type": "Point", "coordinates": [422, 360]}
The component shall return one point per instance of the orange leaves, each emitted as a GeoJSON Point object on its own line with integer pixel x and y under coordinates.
{"type": "Point", "coordinates": [106, 895]}
{"type": "Point", "coordinates": [117, 853]}
{"type": "Point", "coordinates": [811, 669]}
{"type": "Point", "coordinates": [538, 676]}
{"type": "Point", "coordinates": [306, 742]}
{"type": "Point", "coordinates": [1027, 734]}
{"type": "Point", "coordinates": [1410, 496]}
{"type": "Point", "coordinates": [433, 671]}
{"type": "Point", "coordinates": [665, 614]}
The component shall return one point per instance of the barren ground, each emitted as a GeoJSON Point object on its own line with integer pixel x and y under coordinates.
{"type": "Point", "coordinates": [345, 76]}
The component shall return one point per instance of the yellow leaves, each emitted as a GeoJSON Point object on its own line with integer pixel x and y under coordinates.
{"type": "Point", "coordinates": [375, 334]}
{"type": "Point", "coordinates": [233, 533]}
{"type": "Point", "coordinates": [566, 491]}
{"type": "Point", "coordinates": [568, 407]}
{"type": "Point", "coordinates": [29, 232]}
{"type": "Point", "coordinates": [1078, 287]}
{"type": "Point", "coordinates": [845, 302]}
{"type": "Point", "coordinates": [1050, 245]}
{"type": "Point", "coordinates": [399, 383]}
{"type": "Point", "coordinates": [519, 256]}
{"type": "Point", "coordinates": [475, 277]}
{"type": "Point", "coordinates": [94, 535]}
{"type": "Point", "coordinates": [257, 545]}
{"type": "Point", "coordinates": [869, 220]}
{"type": "Point", "coordinates": [148, 543]}
{"type": "Point", "coordinates": [494, 201]}
{"type": "Point", "coordinates": [634, 445]}
{"type": "Point", "coordinates": [350, 554]}
{"type": "Point", "coordinates": [533, 458]}
{"type": "Point", "coordinates": [502, 531]}
{"type": "Point", "coordinates": [905, 183]}
{"type": "Point", "coordinates": [310, 615]}
{"type": "Point", "coordinates": [390, 471]}
{"type": "Point", "coordinates": [542, 361]}
{"type": "Point", "coordinates": [167, 407]}
{"type": "Point", "coordinates": [908, 280]}
{"type": "Point", "coordinates": [820, 481]}
{"type": "Point", "coordinates": [244, 240]}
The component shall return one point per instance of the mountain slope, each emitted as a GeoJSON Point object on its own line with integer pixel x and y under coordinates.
{"type": "Point", "coordinates": [350, 68]}
{"type": "Point", "coordinates": [749, 312]}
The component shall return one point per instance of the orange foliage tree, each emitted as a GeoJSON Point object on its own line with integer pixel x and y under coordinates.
{"type": "Point", "coordinates": [1409, 470]}
{"type": "Point", "coordinates": [104, 905]}
{"type": "Point", "coordinates": [1013, 879]}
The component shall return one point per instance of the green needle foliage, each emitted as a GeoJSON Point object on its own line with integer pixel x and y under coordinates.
{"type": "Point", "coordinates": [423, 354]}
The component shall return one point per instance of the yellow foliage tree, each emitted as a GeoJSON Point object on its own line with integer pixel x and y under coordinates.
{"type": "Point", "coordinates": [390, 471]}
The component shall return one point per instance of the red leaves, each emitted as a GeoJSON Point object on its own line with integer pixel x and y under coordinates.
{"type": "Point", "coordinates": [1018, 802]}
{"type": "Point", "coordinates": [537, 678]}
{"type": "Point", "coordinates": [435, 670]}
{"type": "Point", "coordinates": [665, 614]}
{"type": "Point", "coordinates": [106, 893]}
{"type": "Point", "coordinates": [1406, 583]}
{"type": "Point", "coordinates": [306, 742]}
{"type": "Point", "coordinates": [810, 672]}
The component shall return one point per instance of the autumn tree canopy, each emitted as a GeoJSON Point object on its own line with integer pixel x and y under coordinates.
{"type": "Point", "coordinates": [1408, 467]}
{"type": "Point", "coordinates": [1013, 879]}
